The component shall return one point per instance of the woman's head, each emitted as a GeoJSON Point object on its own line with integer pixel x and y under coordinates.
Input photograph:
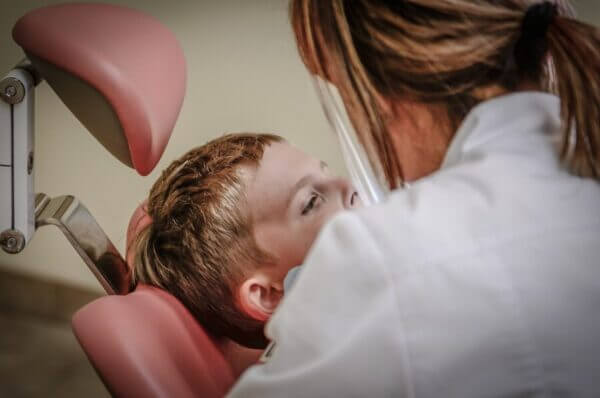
{"type": "Point", "coordinates": [409, 71]}
{"type": "Point", "coordinates": [229, 219]}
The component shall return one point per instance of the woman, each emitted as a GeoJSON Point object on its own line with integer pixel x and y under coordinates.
{"type": "Point", "coordinates": [483, 277]}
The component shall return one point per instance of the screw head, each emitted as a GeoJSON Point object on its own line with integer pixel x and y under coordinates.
{"type": "Point", "coordinates": [11, 243]}
{"type": "Point", "coordinates": [10, 91]}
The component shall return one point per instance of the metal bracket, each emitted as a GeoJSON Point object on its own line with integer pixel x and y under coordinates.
{"type": "Point", "coordinates": [17, 98]}
{"type": "Point", "coordinates": [87, 238]}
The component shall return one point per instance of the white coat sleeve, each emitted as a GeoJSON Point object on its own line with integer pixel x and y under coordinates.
{"type": "Point", "coordinates": [338, 332]}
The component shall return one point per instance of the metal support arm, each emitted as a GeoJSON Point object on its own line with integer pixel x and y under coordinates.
{"type": "Point", "coordinates": [87, 238]}
{"type": "Point", "coordinates": [21, 211]}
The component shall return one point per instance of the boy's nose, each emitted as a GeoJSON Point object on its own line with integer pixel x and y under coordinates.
{"type": "Point", "coordinates": [355, 200]}
{"type": "Point", "coordinates": [350, 197]}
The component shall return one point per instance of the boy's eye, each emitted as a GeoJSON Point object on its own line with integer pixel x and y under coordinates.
{"type": "Point", "coordinates": [312, 203]}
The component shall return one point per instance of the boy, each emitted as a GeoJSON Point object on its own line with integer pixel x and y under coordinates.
{"type": "Point", "coordinates": [229, 220]}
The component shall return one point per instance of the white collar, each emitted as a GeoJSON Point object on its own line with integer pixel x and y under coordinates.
{"type": "Point", "coordinates": [516, 111]}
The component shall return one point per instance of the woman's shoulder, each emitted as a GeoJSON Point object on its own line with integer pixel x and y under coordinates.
{"type": "Point", "coordinates": [424, 220]}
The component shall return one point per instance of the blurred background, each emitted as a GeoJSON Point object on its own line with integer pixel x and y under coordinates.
{"type": "Point", "coordinates": [244, 74]}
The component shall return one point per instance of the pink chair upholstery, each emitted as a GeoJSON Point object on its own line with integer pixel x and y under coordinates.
{"type": "Point", "coordinates": [146, 344]}
{"type": "Point", "coordinates": [138, 221]}
{"type": "Point", "coordinates": [121, 72]}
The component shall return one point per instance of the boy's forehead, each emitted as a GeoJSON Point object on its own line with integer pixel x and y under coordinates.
{"type": "Point", "coordinates": [281, 162]}
{"type": "Point", "coordinates": [283, 152]}
{"type": "Point", "coordinates": [281, 166]}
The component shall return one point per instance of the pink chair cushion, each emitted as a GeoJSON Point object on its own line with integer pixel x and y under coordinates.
{"type": "Point", "coordinates": [129, 57]}
{"type": "Point", "coordinates": [146, 344]}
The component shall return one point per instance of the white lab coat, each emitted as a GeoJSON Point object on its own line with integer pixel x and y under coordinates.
{"type": "Point", "coordinates": [481, 280]}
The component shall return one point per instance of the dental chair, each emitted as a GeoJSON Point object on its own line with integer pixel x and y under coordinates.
{"type": "Point", "coordinates": [122, 74]}
{"type": "Point", "coordinates": [146, 344]}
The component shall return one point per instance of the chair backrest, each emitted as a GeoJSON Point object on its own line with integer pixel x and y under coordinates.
{"type": "Point", "coordinates": [146, 344]}
{"type": "Point", "coordinates": [121, 72]}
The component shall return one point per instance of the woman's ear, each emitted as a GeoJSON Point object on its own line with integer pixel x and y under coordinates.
{"type": "Point", "coordinates": [259, 295]}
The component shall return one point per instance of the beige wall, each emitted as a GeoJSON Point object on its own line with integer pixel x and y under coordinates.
{"type": "Point", "coordinates": [244, 75]}
{"type": "Point", "coordinates": [588, 10]}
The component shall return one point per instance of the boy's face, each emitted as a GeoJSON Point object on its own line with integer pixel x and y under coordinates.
{"type": "Point", "coordinates": [290, 197]}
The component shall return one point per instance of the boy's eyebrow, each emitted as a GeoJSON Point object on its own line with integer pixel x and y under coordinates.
{"type": "Point", "coordinates": [303, 182]}
{"type": "Point", "coordinates": [298, 186]}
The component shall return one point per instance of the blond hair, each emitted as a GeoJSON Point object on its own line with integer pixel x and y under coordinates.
{"type": "Point", "coordinates": [448, 52]}
{"type": "Point", "coordinates": [200, 243]}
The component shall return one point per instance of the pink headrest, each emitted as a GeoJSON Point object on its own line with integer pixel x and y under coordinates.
{"type": "Point", "coordinates": [146, 344]}
{"type": "Point", "coordinates": [130, 58]}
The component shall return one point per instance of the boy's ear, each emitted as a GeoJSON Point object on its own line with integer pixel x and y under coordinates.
{"type": "Point", "coordinates": [259, 295]}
